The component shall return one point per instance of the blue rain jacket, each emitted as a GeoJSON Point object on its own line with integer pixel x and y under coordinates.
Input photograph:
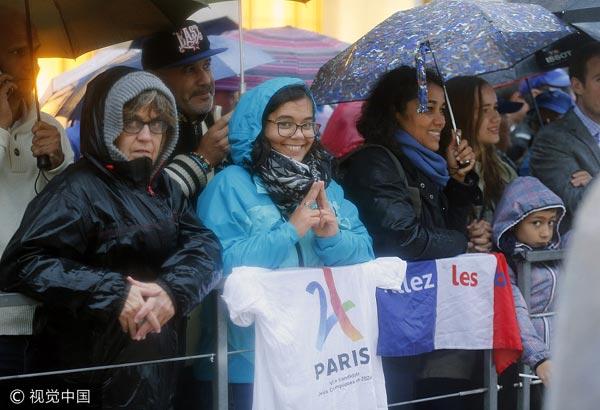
{"type": "Point", "coordinates": [237, 208]}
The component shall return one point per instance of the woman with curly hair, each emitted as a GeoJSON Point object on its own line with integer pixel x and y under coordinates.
{"type": "Point", "coordinates": [415, 202]}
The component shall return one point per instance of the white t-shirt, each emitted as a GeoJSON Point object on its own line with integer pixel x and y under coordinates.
{"type": "Point", "coordinates": [316, 333]}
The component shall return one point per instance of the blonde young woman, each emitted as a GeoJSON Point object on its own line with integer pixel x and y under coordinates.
{"type": "Point", "coordinates": [475, 108]}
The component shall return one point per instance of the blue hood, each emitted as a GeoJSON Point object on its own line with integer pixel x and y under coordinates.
{"type": "Point", "coordinates": [246, 121]}
{"type": "Point", "coordinates": [521, 197]}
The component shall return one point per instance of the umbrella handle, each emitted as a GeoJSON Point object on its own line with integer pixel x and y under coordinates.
{"type": "Point", "coordinates": [43, 161]}
{"type": "Point", "coordinates": [241, 37]}
{"type": "Point", "coordinates": [437, 68]}
{"type": "Point", "coordinates": [450, 110]}
{"type": "Point", "coordinates": [32, 57]}
{"type": "Point", "coordinates": [457, 132]}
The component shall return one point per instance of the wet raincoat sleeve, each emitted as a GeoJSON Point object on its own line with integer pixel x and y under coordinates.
{"type": "Point", "coordinates": [352, 244]}
{"type": "Point", "coordinates": [230, 206]}
{"type": "Point", "coordinates": [42, 259]}
{"type": "Point", "coordinates": [195, 267]}
{"type": "Point", "coordinates": [47, 257]}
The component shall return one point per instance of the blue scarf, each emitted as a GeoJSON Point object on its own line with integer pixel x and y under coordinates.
{"type": "Point", "coordinates": [430, 163]}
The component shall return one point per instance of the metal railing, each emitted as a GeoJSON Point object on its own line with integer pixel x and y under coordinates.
{"type": "Point", "coordinates": [524, 284]}
{"type": "Point", "coordinates": [220, 356]}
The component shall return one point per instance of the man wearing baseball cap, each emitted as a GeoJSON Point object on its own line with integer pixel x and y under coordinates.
{"type": "Point", "coordinates": [182, 60]}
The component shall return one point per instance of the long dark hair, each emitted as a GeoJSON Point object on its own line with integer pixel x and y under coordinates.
{"type": "Point", "coordinates": [391, 94]}
{"type": "Point", "coordinates": [465, 94]}
{"type": "Point", "coordinates": [262, 147]}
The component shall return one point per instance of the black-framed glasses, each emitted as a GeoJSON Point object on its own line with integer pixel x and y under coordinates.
{"type": "Point", "coordinates": [135, 126]}
{"type": "Point", "coordinates": [287, 129]}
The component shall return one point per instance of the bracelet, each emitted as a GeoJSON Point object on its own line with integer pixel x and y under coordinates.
{"type": "Point", "coordinates": [201, 161]}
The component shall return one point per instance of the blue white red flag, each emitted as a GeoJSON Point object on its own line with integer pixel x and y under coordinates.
{"type": "Point", "coordinates": [454, 303]}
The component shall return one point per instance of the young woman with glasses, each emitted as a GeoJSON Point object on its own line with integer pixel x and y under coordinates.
{"type": "Point", "coordinates": [277, 206]}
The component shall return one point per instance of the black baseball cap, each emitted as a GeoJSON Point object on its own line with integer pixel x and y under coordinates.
{"type": "Point", "coordinates": [187, 44]}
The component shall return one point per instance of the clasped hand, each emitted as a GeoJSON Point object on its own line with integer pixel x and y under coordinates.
{"type": "Point", "coordinates": [321, 219]}
{"type": "Point", "coordinates": [147, 308]}
{"type": "Point", "coordinates": [480, 236]}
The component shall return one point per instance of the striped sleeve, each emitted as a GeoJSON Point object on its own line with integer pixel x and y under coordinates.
{"type": "Point", "coordinates": [188, 174]}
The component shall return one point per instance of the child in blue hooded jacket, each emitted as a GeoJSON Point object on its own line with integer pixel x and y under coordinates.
{"type": "Point", "coordinates": [277, 205]}
{"type": "Point", "coordinates": [527, 218]}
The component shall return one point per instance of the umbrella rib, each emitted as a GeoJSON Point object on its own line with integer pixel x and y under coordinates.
{"type": "Point", "coordinates": [62, 19]}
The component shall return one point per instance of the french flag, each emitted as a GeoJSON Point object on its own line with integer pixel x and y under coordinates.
{"type": "Point", "coordinates": [464, 302]}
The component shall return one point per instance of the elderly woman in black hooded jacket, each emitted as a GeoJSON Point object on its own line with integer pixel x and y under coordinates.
{"type": "Point", "coordinates": [113, 250]}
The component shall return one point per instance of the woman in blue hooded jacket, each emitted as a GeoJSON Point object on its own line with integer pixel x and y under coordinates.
{"type": "Point", "coordinates": [277, 206]}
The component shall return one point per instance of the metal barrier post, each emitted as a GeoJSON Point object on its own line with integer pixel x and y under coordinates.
{"type": "Point", "coordinates": [220, 379]}
{"type": "Point", "coordinates": [524, 283]}
{"type": "Point", "coordinates": [490, 381]}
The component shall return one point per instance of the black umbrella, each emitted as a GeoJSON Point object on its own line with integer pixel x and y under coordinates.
{"type": "Point", "coordinates": [556, 55]}
{"type": "Point", "coordinates": [583, 14]}
{"type": "Point", "coordinates": [70, 28]}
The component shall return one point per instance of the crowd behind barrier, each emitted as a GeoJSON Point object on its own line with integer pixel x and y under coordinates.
{"type": "Point", "coordinates": [489, 390]}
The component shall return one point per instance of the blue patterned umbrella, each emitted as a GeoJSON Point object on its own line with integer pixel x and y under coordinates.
{"type": "Point", "coordinates": [468, 37]}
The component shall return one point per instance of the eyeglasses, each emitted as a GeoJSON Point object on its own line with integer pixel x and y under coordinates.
{"type": "Point", "coordinates": [287, 129]}
{"type": "Point", "coordinates": [135, 126]}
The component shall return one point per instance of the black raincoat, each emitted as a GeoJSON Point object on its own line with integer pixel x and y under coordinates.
{"type": "Point", "coordinates": [95, 224]}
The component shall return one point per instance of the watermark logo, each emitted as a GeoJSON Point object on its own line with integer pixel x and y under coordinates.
{"type": "Point", "coordinates": [49, 396]}
{"type": "Point", "coordinates": [328, 321]}
{"type": "Point", "coordinates": [17, 396]}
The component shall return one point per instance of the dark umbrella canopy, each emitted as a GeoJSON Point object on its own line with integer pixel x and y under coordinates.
{"type": "Point", "coordinates": [69, 28]}
{"type": "Point", "coordinates": [583, 14]}
{"type": "Point", "coordinates": [556, 55]}
{"type": "Point", "coordinates": [468, 37]}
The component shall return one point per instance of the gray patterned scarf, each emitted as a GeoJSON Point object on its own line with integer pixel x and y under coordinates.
{"type": "Point", "coordinates": [288, 181]}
